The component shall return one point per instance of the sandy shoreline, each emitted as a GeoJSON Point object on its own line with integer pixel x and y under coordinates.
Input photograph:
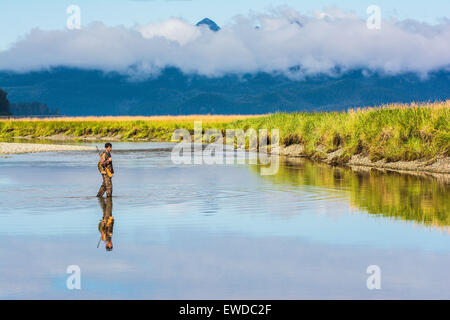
{"type": "Point", "coordinates": [15, 148]}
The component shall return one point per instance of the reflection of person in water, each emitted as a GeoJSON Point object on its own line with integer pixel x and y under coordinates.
{"type": "Point", "coordinates": [106, 225]}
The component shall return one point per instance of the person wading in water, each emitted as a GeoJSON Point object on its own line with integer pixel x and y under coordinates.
{"type": "Point", "coordinates": [105, 167]}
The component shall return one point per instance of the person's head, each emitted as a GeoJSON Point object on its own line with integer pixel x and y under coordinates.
{"type": "Point", "coordinates": [108, 146]}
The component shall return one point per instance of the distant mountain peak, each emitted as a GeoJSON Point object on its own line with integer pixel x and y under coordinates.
{"type": "Point", "coordinates": [211, 24]}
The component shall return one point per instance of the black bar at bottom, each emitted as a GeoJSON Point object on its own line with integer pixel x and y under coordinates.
{"type": "Point", "coordinates": [225, 309]}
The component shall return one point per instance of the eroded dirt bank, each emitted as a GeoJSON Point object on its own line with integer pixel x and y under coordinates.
{"type": "Point", "coordinates": [439, 164]}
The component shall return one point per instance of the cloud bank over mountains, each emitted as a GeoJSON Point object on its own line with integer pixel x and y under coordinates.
{"type": "Point", "coordinates": [281, 41]}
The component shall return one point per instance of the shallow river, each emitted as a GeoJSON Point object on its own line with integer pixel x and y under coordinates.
{"type": "Point", "coordinates": [219, 231]}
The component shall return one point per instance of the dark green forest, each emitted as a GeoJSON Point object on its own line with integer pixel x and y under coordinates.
{"type": "Point", "coordinates": [4, 103]}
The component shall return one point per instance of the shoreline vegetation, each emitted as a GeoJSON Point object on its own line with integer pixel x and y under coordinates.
{"type": "Point", "coordinates": [405, 137]}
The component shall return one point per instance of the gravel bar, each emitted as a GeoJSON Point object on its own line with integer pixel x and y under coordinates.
{"type": "Point", "coordinates": [11, 148]}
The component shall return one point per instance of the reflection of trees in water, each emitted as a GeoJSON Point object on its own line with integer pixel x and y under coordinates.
{"type": "Point", "coordinates": [413, 197]}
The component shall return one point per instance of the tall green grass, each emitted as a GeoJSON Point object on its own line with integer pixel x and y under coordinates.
{"type": "Point", "coordinates": [392, 132]}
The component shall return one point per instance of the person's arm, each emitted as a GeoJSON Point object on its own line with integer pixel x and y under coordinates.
{"type": "Point", "coordinates": [103, 160]}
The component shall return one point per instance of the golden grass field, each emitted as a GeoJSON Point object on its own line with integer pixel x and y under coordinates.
{"type": "Point", "coordinates": [182, 118]}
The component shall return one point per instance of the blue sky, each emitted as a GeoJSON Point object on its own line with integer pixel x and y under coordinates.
{"type": "Point", "coordinates": [18, 17]}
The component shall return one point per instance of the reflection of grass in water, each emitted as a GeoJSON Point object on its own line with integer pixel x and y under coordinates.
{"type": "Point", "coordinates": [408, 197]}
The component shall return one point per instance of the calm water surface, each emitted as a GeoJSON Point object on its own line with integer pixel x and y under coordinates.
{"type": "Point", "coordinates": [219, 231]}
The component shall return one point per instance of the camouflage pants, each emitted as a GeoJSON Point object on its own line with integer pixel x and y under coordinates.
{"type": "Point", "coordinates": [105, 187]}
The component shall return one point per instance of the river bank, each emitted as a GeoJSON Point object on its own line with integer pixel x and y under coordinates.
{"type": "Point", "coordinates": [414, 137]}
{"type": "Point", "coordinates": [438, 164]}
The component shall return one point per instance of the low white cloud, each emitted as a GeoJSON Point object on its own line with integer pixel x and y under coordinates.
{"type": "Point", "coordinates": [172, 29]}
{"type": "Point", "coordinates": [270, 42]}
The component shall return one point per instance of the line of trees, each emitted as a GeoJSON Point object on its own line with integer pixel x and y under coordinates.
{"type": "Point", "coordinates": [4, 104]}
{"type": "Point", "coordinates": [24, 108]}
{"type": "Point", "coordinates": [32, 109]}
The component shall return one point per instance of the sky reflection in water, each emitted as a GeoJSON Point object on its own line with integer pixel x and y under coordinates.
{"type": "Point", "coordinates": [218, 231]}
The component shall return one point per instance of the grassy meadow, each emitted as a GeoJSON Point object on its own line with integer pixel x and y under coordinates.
{"type": "Point", "coordinates": [392, 132]}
